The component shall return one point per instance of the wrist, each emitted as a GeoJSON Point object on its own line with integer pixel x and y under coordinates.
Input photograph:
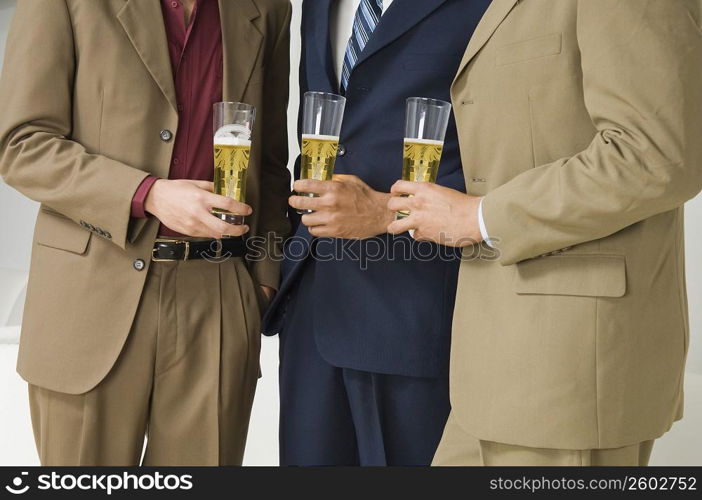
{"type": "Point", "coordinates": [138, 209]}
{"type": "Point", "coordinates": [472, 231]}
{"type": "Point", "coordinates": [151, 201]}
{"type": "Point", "coordinates": [384, 216]}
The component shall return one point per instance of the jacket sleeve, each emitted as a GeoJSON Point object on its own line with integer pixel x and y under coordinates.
{"type": "Point", "coordinates": [274, 226]}
{"type": "Point", "coordinates": [37, 155]}
{"type": "Point", "coordinates": [642, 80]}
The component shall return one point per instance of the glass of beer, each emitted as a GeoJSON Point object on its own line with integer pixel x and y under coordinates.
{"type": "Point", "coordinates": [425, 130]}
{"type": "Point", "coordinates": [233, 125]}
{"type": "Point", "coordinates": [321, 125]}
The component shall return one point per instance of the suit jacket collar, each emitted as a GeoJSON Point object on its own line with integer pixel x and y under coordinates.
{"type": "Point", "coordinates": [143, 23]}
{"type": "Point", "coordinates": [241, 42]}
{"type": "Point", "coordinates": [495, 14]}
{"type": "Point", "coordinates": [320, 38]}
{"type": "Point", "coordinates": [399, 18]}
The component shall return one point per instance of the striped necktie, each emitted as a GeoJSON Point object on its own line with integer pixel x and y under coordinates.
{"type": "Point", "coordinates": [367, 18]}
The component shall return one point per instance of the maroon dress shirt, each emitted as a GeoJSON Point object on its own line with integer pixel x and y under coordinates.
{"type": "Point", "coordinates": [196, 58]}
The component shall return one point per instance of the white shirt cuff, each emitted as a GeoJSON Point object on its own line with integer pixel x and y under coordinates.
{"type": "Point", "coordinates": [481, 221]}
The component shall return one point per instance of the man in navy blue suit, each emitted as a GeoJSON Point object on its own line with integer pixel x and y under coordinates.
{"type": "Point", "coordinates": [364, 317]}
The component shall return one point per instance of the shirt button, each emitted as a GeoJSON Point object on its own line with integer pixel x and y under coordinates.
{"type": "Point", "coordinates": [174, 4]}
{"type": "Point", "coordinates": [342, 150]}
{"type": "Point", "coordinates": [166, 135]}
{"type": "Point", "coordinates": [139, 265]}
{"type": "Point", "coordinates": [180, 107]}
{"type": "Point", "coordinates": [176, 161]}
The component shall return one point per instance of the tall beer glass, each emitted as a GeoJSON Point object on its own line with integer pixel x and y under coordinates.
{"type": "Point", "coordinates": [233, 125]}
{"type": "Point", "coordinates": [425, 130]}
{"type": "Point", "coordinates": [321, 125]}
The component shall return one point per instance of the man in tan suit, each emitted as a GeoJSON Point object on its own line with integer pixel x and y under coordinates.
{"type": "Point", "coordinates": [107, 121]}
{"type": "Point", "coordinates": [580, 125]}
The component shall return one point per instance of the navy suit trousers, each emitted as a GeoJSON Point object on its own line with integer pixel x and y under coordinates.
{"type": "Point", "coordinates": [339, 416]}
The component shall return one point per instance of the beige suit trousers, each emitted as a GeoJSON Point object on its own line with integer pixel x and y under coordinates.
{"type": "Point", "coordinates": [458, 448]}
{"type": "Point", "coordinates": [185, 378]}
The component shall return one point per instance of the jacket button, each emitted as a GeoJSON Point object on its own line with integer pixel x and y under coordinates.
{"type": "Point", "coordinates": [139, 265]}
{"type": "Point", "coordinates": [166, 135]}
{"type": "Point", "coordinates": [342, 150]}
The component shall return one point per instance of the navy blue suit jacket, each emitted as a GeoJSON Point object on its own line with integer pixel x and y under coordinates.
{"type": "Point", "coordinates": [387, 314]}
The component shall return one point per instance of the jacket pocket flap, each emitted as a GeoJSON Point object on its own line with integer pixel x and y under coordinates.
{"type": "Point", "coordinates": [57, 231]}
{"type": "Point", "coordinates": [543, 46]}
{"type": "Point", "coordinates": [576, 275]}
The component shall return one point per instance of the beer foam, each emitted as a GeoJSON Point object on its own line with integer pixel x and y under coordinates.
{"type": "Point", "coordinates": [231, 141]}
{"type": "Point", "coordinates": [233, 135]}
{"type": "Point", "coordinates": [330, 138]}
{"type": "Point", "coordinates": [428, 142]}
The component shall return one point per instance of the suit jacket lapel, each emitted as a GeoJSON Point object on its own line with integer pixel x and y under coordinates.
{"type": "Point", "coordinates": [495, 14]}
{"type": "Point", "coordinates": [398, 20]}
{"type": "Point", "coordinates": [143, 23]}
{"type": "Point", "coordinates": [241, 43]}
{"type": "Point", "coordinates": [320, 37]}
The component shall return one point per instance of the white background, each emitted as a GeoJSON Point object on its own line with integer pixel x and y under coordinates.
{"type": "Point", "coordinates": [682, 446]}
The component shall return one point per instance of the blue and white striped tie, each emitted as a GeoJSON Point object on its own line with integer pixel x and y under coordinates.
{"type": "Point", "coordinates": [367, 17]}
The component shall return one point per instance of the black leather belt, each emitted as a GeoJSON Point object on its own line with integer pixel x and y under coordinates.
{"type": "Point", "coordinates": [175, 250]}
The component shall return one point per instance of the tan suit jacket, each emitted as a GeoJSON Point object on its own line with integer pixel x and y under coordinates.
{"type": "Point", "coordinates": [86, 91]}
{"type": "Point", "coordinates": [581, 122]}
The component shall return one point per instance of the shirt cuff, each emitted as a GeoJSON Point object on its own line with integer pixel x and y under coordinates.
{"type": "Point", "coordinates": [481, 221]}
{"type": "Point", "coordinates": [139, 198]}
